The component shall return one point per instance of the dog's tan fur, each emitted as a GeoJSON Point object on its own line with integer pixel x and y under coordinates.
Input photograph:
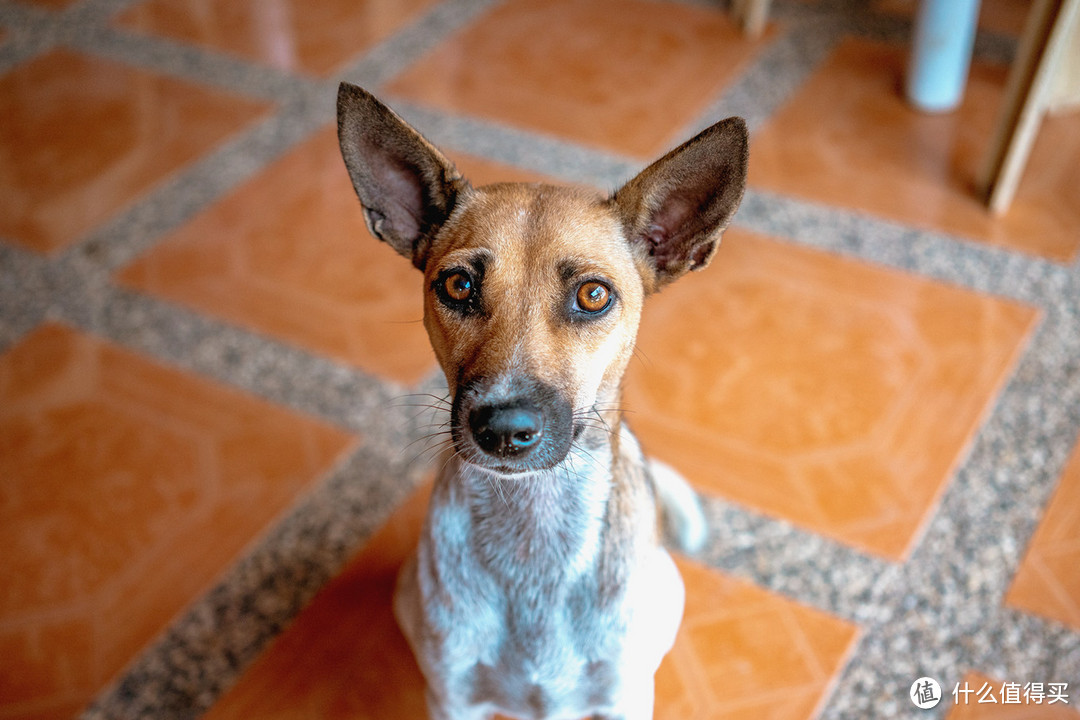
{"type": "Point", "coordinates": [561, 227]}
{"type": "Point", "coordinates": [540, 588]}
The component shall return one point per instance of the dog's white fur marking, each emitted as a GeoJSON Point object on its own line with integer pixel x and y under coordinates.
{"type": "Point", "coordinates": [500, 600]}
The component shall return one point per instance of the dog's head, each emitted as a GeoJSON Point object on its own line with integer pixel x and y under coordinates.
{"type": "Point", "coordinates": [533, 292]}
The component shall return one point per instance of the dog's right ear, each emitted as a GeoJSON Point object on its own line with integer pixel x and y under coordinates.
{"type": "Point", "coordinates": [407, 187]}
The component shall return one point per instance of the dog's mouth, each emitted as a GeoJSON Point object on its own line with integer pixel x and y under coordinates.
{"type": "Point", "coordinates": [512, 433]}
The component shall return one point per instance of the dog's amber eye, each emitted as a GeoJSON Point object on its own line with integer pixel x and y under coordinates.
{"type": "Point", "coordinates": [458, 286]}
{"type": "Point", "coordinates": [592, 296]}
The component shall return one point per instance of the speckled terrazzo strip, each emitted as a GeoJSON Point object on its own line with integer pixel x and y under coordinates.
{"type": "Point", "coordinates": [938, 614]}
{"type": "Point", "coordinates": [974, 265]}
{"type": "Point", "coordinates": [799, 564]}
{"type": "Point", "coordinates": [776, 73]}
{"type": "Point", "coordinates": [30, 32]}
{"type": "Point", "coordinates": [24, 293]}
{"type": "Point", "coordinates": [392, 56]}
{"type": "Point", "coordinates": [179, 198]}
{"type": "Point", "coordinates": [557, 158]}
{"type": "Point", "coordinates": [200, 65]}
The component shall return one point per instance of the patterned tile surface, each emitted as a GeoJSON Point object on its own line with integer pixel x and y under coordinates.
{"type": "Point", "coordinates": [881, 422]}
{"type": "Point", "coordinates": [1048, 581]}
{"type": "Point", "coordinates": [671, 59]}
{"type": "Point", "coordinates": [742, 652]}
{"type": "Point", "coordinates": [84, 137]}
{"type": "Point", "coordinates": [288, 254]}
{"type": "Point", "coordinates": [314, 38]}
{"type": "Point", "coordinates": [128, 488]}
{"type": "Point", "coordinates": [746, 653]}
{"type": "Point", "coordinates": [848, 138]}
{"type": "Point", "coordinates": [834, 394]}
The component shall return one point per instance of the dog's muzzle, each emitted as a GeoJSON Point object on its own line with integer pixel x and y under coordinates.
{"type": "Point", "coordinates": [521, 427]}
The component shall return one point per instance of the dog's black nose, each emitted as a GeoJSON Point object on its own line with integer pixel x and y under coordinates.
{"type": "Point", "coordinates": [507, 430]}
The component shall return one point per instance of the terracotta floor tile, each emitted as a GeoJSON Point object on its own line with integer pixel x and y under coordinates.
{"type": "Point", "coordinates": [631, 84]}
{"type": "Point", "coordinates": [314, 38]}
{"type": "Point", "coordinates": [288, 254]}
{"type": "Point", "coordinates": [1048, 580]}
{"type": "Point", "coordinates": [848, 138]}
{"type": "Point", "coordinates": [967, 706]}
{"type": "Point", "coordinates": [742, 652]}
{"type": "Point", "coordinates": [128, 488]}
{"type": "Point", "coordinates": [1006, 17]}
{"type": "Point", "coordinates": [826, 391]}
{"type": "Point", "coordinates": [745, 653]}
{"type": "Point", "coordinates": [83, 137]}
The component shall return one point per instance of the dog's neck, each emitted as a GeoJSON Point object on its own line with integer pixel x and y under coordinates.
{"type": "Point", "coordinates": [536, 523]}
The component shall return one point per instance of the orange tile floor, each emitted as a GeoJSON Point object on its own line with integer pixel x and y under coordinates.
{"type": "Point", "coordinates": [215, 387]}
{"type": "Point", "coordinates": [312, 38]}
{"type": "Point", "coordinates": [84, 136]}
{"type": "Point", "coordinates": [913, 167]}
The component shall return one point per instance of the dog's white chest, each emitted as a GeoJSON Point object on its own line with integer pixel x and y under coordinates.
{"type": "Point", "coordinates": [510, 613]}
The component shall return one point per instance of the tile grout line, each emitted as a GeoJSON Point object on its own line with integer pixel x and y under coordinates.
{"type": "Point", "coordinates": [389, 58]}
{"type": "Point", "coordinates": [799, 564]}
{"type": "Point", "coordinates": [273, 370]}
{"type": "Point", "coordinates": [30, 32]}
{"type": "Point", "coordinates": [195, 64]}
{"type": "Point", "coordinates": [929, 254]}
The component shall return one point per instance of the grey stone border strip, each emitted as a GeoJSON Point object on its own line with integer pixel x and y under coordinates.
{"type": "Point", "coordinates": [939, 613]}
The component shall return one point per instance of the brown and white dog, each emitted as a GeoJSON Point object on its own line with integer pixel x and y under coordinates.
{"type": "Point", "coordinates": [540, 588]}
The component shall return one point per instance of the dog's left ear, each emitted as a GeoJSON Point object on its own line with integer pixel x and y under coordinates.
{"type": "Point", "coordinates": [407, 187]}
{"type": "Point", "coordinates": [675, 210]}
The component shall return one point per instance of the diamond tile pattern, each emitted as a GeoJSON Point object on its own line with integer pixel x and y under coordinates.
{"type": "Point", "coordinates": [816, 389]}
{"type": "Point", "coordinates": [1048, 581]}
{"type": "Point", "coordinates": [848, 138]}
{"type": "Point", "coordinates": [741, 652]}
{"type": "Point", "coordinates": [84, 137]}
{"type": "Point", "coordinates": [288, 254]}
{"type": "Point", "coordinates": [642, 73]}
{"type": "Point", "coordinates": [314, 38]}
{"type": "Point", "coordinates": [831, 393]}
{"type": "Point", "coordinates": [127, 488]}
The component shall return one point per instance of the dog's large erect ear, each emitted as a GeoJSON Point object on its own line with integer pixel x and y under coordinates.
{"type": "Point", "coordinates": [675, 210]}
{"type": "Point", "coordinates": [407, 187]}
